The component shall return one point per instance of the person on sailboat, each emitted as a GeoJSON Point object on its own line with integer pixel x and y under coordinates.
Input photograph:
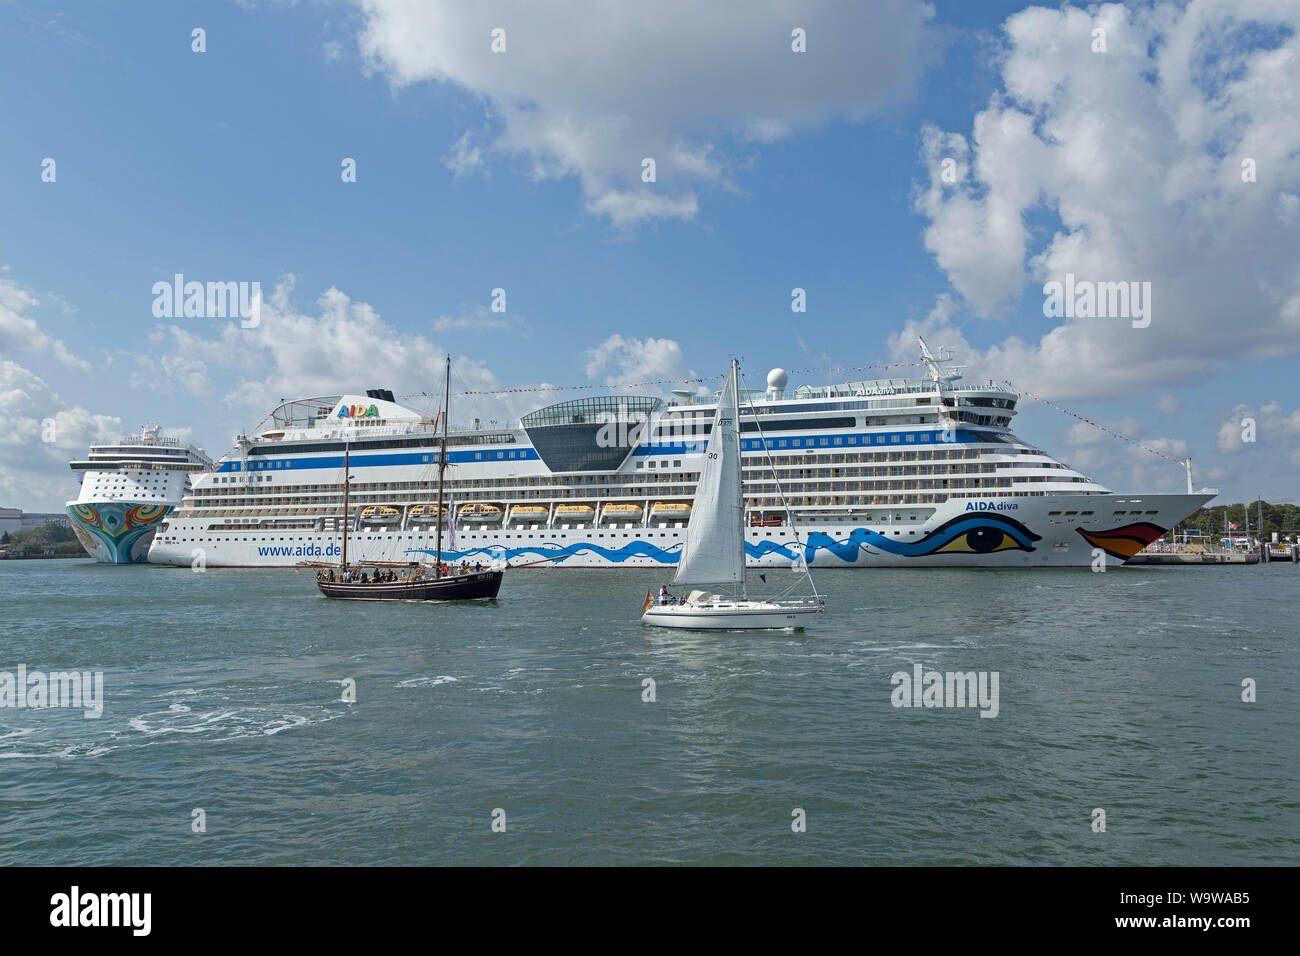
{"type": "Point", "coordinates": [663, 594]}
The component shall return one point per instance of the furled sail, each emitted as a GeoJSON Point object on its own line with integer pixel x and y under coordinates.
{"type": "Point", "coordinates": [713, 552]}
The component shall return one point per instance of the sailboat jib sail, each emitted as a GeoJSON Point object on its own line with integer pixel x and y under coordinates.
{"type": "Point", "coordinates": [714, 549]}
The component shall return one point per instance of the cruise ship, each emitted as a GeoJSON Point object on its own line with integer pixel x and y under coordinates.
{"type": "Point", "coordinates": [888, 473]}
{"type": "Point", "coordinates": [127, 488]}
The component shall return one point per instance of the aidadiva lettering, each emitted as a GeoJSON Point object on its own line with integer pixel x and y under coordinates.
{"type": "Point", "coordinates": [74, 908]}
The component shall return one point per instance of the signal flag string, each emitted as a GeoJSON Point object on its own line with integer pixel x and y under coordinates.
{"type": "Point", "coordinates": [1089, 421]}
{"type": "Point", "coordinates": [667, 381]}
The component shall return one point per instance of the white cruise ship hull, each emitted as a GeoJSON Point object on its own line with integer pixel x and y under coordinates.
{"type": "Point", "coordinates": [1055, 530]}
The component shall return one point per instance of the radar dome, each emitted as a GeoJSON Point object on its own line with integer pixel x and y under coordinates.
{"type": "Point", "coordinates": [777, 379]}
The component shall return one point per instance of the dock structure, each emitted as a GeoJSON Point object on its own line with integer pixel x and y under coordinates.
{"type": "Point", "coordinates": [1262, 552]}
{"type": "Point", "coordinates": [1198, 558]}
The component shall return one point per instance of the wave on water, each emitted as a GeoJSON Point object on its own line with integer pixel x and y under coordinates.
{"type": "Point", "coordinates": [227, 719]}
{"type": "Point", "coordinates": [427, 681]}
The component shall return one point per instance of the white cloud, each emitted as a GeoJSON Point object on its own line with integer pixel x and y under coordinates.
{"type": "Point", "coordinates": [343, 346]}
{"type": "Point", "coordinates": [20, 333]}
{"type": "Point", "coordinates": [1167, 404]}
{"type": "Point", "coordinates": [34, 472]}
{"type": "Point", "coordinates": [628, 360]}
{"type": "Point", "coordinates": [1137, 151]}
{"type": "Point", "coordinates": [691, 85]}
{"type": "Point", "coordinates": [464, 157]}
{"type": "Point", "coordinates": [478, 319]}
{"type": "Point", "coordinates": [1270, 424]}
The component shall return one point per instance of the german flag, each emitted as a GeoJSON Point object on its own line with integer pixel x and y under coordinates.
{"type": "Point", "coordinates": [649, 601]}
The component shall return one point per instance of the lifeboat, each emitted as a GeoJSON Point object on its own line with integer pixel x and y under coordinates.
{"type": "Point", "coordinates": [481, 513]}
{"type": "Point", "coordinates": [529, 514]}
{"type": "Point", "coordinates": [426, 514]}
{"type": "Point", "coordinates": [670, 511]}
{"type": "Point", "coordinates": [622, 512]}
{"type": "Point", "coordinates": [574, 514]}
{"type": "Point", "coordinates": [380, 514]}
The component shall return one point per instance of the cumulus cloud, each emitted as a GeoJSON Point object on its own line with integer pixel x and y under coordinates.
{"type": "Point", "coordinates": [691, 85]}
{"type": "Point", "coordinates": [41, 435]}
{"type": "Point", "coordinates": [1245, 426]}
{"type": "Point", "coordinates": [339, 346]}
{"type": "Point", "coordinates": [21, 333]}
{"type": "Point", "coordinates": [293, 354]}
{"type": "Point", "coordinates": [630, 360]}
{"type": "Point", "coordinates": [1137, 153]}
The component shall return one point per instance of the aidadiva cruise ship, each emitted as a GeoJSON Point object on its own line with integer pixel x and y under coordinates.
{"type": "Point", "coordinates": [899, 472]}
{"type": "Point", "coordinates": [127, 488]}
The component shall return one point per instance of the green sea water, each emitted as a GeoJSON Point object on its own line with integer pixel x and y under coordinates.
{"type": "Point", "coordinates": [1119, 691]}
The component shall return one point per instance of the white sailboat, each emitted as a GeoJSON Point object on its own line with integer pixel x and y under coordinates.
{"type": "Point", "coordinates": [713, 555]}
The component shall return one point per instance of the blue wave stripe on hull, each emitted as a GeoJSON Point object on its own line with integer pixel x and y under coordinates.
{"type": "Point", "coordinates": [1008, 533]}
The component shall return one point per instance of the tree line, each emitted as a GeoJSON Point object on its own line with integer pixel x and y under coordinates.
{"type": "Point", "coordinates": [47, 539]}
{"type": "Point", "coordinates": [1284, 519]}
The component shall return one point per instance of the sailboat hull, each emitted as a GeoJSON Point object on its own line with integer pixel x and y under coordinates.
{"type": "Point", "coordinates": [732, 615]}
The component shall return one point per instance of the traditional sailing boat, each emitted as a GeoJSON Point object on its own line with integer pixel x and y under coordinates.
{"type": "Point", "coordinates": [408, 581]}
{"type": "Point", "coordinates": [714, 551]}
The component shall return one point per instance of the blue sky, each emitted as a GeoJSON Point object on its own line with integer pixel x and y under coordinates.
{"type": "Point", "coordinates": [520, 170]}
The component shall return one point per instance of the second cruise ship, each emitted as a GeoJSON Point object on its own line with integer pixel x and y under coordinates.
{"type": "Point", "coordinates": [127, 488]}
{"type": "Point", "coordinates": [894, 472]}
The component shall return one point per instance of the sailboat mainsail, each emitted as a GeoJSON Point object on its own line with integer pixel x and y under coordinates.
{"type": "Point", "coordinates": [714, 550]}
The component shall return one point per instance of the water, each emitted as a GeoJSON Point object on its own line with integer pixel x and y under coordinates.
{"type": "Point", "coordinates": [1118, 690]}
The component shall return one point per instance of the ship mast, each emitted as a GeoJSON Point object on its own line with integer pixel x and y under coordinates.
{"type": "Point", "coordinates": [347, 478]}
{"type": "Point", "coordinates": [740, 469]}
{"type": "Point", "coordinates": [442, 466]}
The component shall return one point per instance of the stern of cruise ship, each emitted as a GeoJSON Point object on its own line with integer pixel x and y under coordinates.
{"type": "Point", "coordinates": [116, 532]}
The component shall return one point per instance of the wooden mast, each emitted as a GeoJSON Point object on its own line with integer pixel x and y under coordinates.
{"type": "Point", "coordinates": [442, 466]}
{"type": "Point", "coordinates": [346, 480]}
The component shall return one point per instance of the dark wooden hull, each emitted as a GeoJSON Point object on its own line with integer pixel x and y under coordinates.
{"type": "Point", "coordinates": [476, 585]}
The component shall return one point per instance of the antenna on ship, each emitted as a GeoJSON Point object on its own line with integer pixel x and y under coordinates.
{"type": "Point", "coordinates": [939, 379]}
{"type": "Point", "coordinates": [930, 363]}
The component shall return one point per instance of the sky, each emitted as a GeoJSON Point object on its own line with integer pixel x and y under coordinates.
{"type": "Point", "coordinates": [380, 167]}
